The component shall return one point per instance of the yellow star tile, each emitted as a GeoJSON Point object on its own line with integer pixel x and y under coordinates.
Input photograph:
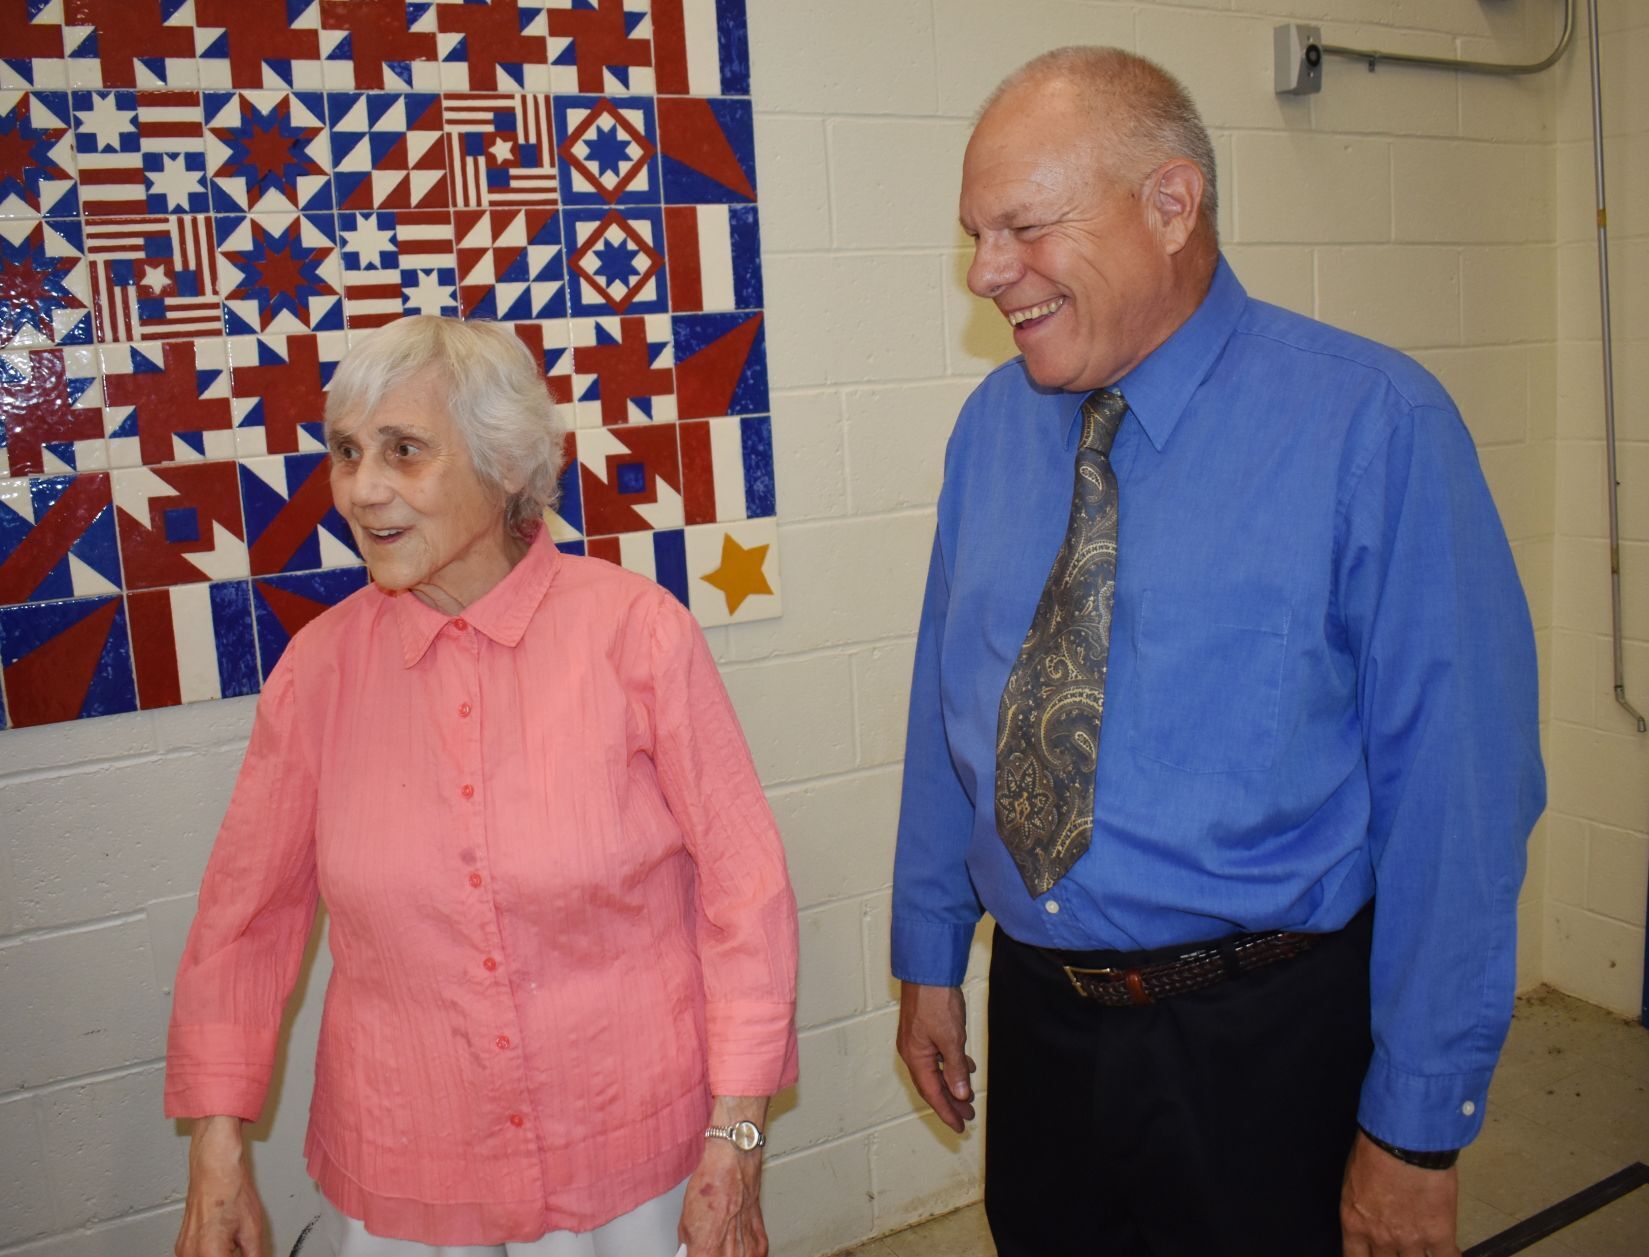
{"type": "Point", "coordinates": [740, 573]}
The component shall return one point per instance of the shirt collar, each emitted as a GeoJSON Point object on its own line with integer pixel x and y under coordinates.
{"type": "Point", "coordinates": [1159, 389]}
{"type": "Point", "coordinates": [501, 613]}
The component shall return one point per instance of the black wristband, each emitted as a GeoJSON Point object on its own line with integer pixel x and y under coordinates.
{"type": "Point", "coordinates": [1440, 1160]}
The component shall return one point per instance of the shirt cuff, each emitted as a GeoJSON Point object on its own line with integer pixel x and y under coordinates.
{"type": "Point", "coordinates": [752, 1047]}
{"type": "Point", "coordinates": [1422, 1112]}
{"type": "Point", "coordinates": [931, 953]}
{"type": "Point", "coordinates": [218, 1070]}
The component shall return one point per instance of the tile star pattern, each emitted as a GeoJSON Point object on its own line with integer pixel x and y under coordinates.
{"type": "Point", "coordinates": [204, 203]}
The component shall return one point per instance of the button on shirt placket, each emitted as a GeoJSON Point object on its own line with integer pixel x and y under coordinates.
{"type": "Point", "coordinates": [466, 650]}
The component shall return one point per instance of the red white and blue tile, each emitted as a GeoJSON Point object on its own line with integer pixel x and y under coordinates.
{"type": "Point", "coordinates": [192, 642]}
{"type": "Point", "coordinates": [510, 264]}
{"type": "Point", "coordinates": [268, 151]}
{"type": "Point", "coordinates": [721, 365]}
{"type": "Point", "coordinates": [608, 150]}
{"type": "Point", "coordinates": [277, 390]}
{"type": "Point", "coordinates": [168, 402]}
{"type": "Point", "coordinates": [140, 152]}
{"type": "Point", "coordinates": [203, 203]}
{"type": "Point", "coordinates": [388, 150]}
{"type": "Point", "coordinates": [130, 43]}
{"type": "Point", "coordinates": [57, 539]}
{"type": "Point", "coordinates": [66, 660]}
{"type": "Point", "coordinates": [51, 411]}
{"type": "Point", "coordinates": [281, 605]}
{"type": "Point", "coordinates": [616, 260]}
{"type": "Point", "coordinates": [499, 45]}
{"type": "Point", "coordinates": [37, 168]}
{"type": "Point", "coordinates": [179, 525]}
{"type": "Point", "coordinates": [623, 371]}
{"type": "Point", "coordinates": [280, 273]}
{"type": "Point", "coordinates": [154, 278]}
{"type": "Point", "coordinates": [500, 149]}
{"type": "Point", "coordinates": [395, 263]}
{"type": "Point", "coordinates": [380, 45]}
{"type": "Point", "coordinates": [270, 44]}
{"type": "Point", "coordinates": [44, 295]}
{"type": "Point", "coordinates": [601, 46]}
{"type": "Point", "coordinates": [291, 525]}
{"type": "Point", "coordinates": [32, 55]}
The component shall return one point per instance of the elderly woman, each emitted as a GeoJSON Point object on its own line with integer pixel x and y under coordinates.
{"type": "Point", "coordinates": [563, 940]}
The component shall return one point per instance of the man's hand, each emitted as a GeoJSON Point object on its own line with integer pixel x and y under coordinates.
{"type": "Point", "coordinates": [1389, 1208]}
{"type": "Point", "coordinates": [932, 1041]}
{"type": "Point", "coordinates": [722, 1213]}
{"type": "Point", "coordinates": [222, 1216]}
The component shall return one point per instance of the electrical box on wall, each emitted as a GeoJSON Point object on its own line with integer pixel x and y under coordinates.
{"type": "Point", "coordinates": [1299, 50]}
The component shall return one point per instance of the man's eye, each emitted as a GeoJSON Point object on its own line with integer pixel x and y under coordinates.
{"type": "Point", "coordinates": [406, 449]}
{"type": "Point", "coordinates": [344, 453]}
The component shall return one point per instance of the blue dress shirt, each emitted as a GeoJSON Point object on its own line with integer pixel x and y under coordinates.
{"type": "Point", "coordinates": [1321, 686]}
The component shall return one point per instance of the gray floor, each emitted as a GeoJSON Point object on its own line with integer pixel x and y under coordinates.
{"type": "Point", "coordinates": [1569, 1106]}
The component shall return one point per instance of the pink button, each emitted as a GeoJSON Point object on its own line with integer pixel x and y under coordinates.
{"type": "Point", "coordinates": [517, 1120]}
{"type": "Point", "coordinates": [463, 709]}
{"type": "Point", "coordinates": [468, 791]}
{"type": "Point", "coordinates": [503, 1042]}
{"type": "Point", "coordinates": [490, 965]}
{"type": "Point", "coordinates": [475, 879]}
{"type": "Point", "coordinates": [460, 624]}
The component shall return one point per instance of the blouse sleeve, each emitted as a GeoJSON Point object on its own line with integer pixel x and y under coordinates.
{"type": "Point", "coordinates": [746, 909]}
{"type": "Point", "coordinates": [257, 905]}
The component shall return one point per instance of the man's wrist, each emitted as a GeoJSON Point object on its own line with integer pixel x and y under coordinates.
{"type": "Point", "coordinates": [1442, 1159]}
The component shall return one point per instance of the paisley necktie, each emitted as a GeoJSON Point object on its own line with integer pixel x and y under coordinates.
{"type": "Point", "coordinates": [1047, 727]}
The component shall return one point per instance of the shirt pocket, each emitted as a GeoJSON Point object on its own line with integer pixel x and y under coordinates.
{"type": "Point", "coordinates": [1208, 679]}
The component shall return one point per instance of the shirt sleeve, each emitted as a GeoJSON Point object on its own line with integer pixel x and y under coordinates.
{"type": "Point", "coordinates": [935, 907]}
{"type": "Point", "coordinates": [256, 908]}
{"type": "Point", "coordinates": [1436, 620]}
{"type": "Point", "coordinates": [747, 934]}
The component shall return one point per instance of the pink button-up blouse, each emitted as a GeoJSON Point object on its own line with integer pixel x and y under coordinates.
{"type": "Point", "coordinates": [559, 914]}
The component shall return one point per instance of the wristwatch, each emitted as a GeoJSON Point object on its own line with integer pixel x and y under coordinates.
{"type": "Point", "coordinates": [745, 1136]}
{"type": "Point", "coordinates": [1441, 1159]}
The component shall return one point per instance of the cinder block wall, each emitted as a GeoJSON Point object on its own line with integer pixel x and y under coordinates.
{"type": "Point", "coordinates": [1598, 823]}
{"type": "Point", "coordinates": [1417, 207]}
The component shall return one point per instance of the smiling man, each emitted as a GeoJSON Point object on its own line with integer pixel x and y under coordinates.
{"type": "Point", "coordinates": [1224, 707]}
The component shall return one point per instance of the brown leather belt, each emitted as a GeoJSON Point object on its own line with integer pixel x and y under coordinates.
{"type": "Point", "coordinates": [1150, 984]}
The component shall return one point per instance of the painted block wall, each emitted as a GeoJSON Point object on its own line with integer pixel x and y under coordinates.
{"type": "Point", "coordinates": [1598, 823]}
{"type": "Point", "coordinates": [1416, 207]}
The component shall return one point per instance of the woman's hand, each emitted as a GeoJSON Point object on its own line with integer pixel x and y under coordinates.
{"type": "Point", "coordinates": [222, 1216]}
{"type": "Point", "coordinates": [722, 1214]}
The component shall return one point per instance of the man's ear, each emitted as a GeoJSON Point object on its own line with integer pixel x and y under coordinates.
{"type": "Point", "coordinates": [1174, 200]}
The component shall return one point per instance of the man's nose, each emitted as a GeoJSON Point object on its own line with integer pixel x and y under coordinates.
{"type": "Point", "coordinates": [995, 265]}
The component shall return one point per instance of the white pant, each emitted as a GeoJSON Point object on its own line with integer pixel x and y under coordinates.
{"type": "Point", "coordinates": [648, 1230]}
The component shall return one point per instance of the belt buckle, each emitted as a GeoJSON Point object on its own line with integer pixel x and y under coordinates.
{"type": "Point", "coordinates": [1130, 979]}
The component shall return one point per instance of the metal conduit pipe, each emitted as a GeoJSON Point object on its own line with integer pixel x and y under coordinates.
{"type": "Point", "coordinates": [1374, 56]}
{"type": "Point", "coordinates": [1608, 372]}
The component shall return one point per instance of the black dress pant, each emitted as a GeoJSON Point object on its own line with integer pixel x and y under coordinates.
{"type": "Point", "coordinates": [1215, 1123]}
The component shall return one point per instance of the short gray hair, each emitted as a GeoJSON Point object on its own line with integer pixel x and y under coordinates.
{"type": "Point", "coordinates": [495, 393]}
{"type": "Point", "coordinates": [1148, 116]}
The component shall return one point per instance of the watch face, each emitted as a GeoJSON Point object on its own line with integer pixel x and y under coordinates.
{"type": "Point", "coordinates": [746, 1137]}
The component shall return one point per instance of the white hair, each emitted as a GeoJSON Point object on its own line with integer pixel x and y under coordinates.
{"type": "Point", "coordinates": [495, 393]}
{"type": "Point", "coordinates": [1147, 115]}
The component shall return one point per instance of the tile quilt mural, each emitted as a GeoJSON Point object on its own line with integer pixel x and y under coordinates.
{"type": "Point", "coordinates": [204, 203]}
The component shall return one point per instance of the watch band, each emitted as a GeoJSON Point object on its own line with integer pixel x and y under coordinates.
{"type": "Point", "coordinates": [1438, 1160]}
{"type": "Point", "coordinates": [746, 1136]}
